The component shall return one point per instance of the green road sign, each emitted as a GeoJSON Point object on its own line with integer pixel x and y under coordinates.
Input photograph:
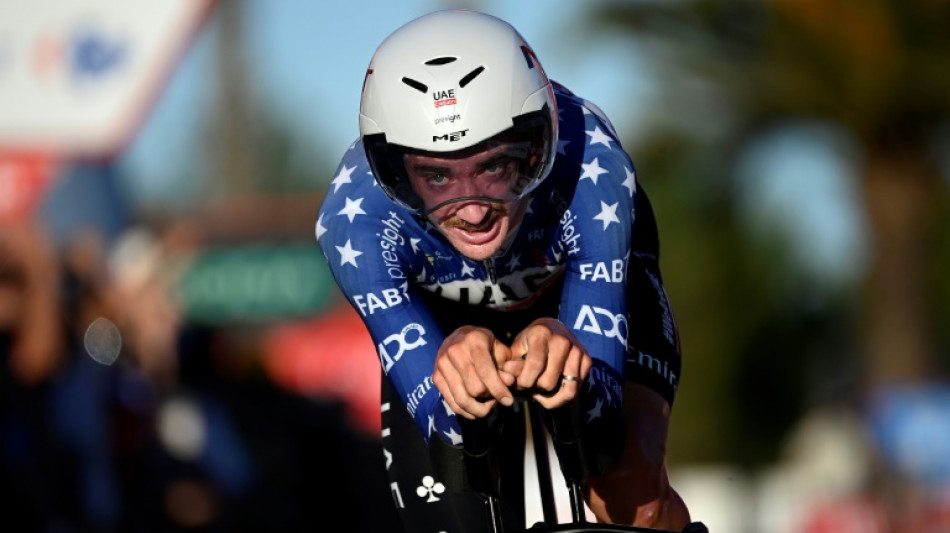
{"type": "Point", "coordinates": [259, 283]}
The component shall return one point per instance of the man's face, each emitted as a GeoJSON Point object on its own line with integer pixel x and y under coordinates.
{"type": "Point", "coordinates": [469, 198]}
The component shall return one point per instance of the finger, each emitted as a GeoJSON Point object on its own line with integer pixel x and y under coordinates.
{"type": "Point", "coordinates": [508, 379]}
{"type": "Point", "coordinates": [586, 364]}
{"type": "Point", "coordinates": [487, 379]}
{"type": "Point", "coordinates": [468, 361]}
{"type": "Point", "coordinates": [573, 374]}
{"type": "Point", "coordinates": [444, 383]}
{"type": "Point", "coordinates": [501, 353]}
{"type": "Point", "coordinates": [570, 379]}
{"type": "Point", "coordinates": [535, 357]}
{"type": "Point", "coordinates": [559, 351]}
{"type": "Point", "coordinates": [474, 406]}
{"type": "Point", "coordinates": [512, 367]}
{"type": "Point", "coordinates": [503, 356]}
{"type": "Point", "coordinates": [468, 396]}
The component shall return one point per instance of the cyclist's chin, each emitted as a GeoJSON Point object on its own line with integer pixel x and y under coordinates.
{"type": "Point", "coordinates": [477, 253]}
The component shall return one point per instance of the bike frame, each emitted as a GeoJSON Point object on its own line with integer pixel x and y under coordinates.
{"type": "Point", "coordinates": [483, 471]}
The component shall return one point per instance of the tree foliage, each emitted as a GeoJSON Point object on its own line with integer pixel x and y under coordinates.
{"type": "Point", "coordinates": [757, 349]}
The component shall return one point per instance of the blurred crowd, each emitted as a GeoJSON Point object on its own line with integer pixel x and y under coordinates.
{"type": "Point", "coordinates": [118, 414]}
{"type": "Point", "coordinates": [122, 412]}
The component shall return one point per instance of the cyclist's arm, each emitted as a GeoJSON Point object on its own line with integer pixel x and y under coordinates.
{"type": "Point", "coordinates": [359, 231]}
{"type": "Point", "coordinates": [599, 222]}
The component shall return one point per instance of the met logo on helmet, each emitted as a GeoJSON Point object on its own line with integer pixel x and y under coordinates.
{"type": "Point", "coordinates": [451, 137]}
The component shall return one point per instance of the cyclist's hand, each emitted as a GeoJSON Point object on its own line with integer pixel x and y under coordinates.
{"type": "Point", "coordinates": [467, 372]}
{"type": "Point", "coordinates": [552, 357]}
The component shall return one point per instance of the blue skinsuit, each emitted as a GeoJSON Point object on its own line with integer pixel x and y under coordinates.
{"type": "Point", "coordinates": [576, 237]}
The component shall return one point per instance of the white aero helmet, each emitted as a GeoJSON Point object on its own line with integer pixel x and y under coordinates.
{"type": "Point", "coordinates": [450, 81]}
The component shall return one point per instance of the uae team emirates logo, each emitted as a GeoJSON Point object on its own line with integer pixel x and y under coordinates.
{"type": "Point", "coordinates": [444, 98]}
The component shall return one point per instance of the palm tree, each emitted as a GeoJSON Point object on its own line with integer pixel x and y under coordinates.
{"type": "Point", "coordinates": [877, 69]}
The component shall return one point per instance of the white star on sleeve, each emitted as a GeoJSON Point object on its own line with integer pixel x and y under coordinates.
{"type": "Point", "coordinates": [562, 146]}
{"type": "Point", "coordinates": [448, 410]}
{"type": "Point", "coordinates": [453, 436]}
{"type": "Point", "coordinates": [609, 395]}
{"type": "Point", "coordinates": [595, 412]}
{"type": "Point", "coordinates": [599, 137]}
{"type": "Point", "coordinates": [515, 262]}
{"type": "Point", "coordinates": [342, 178]}
{"type": "Point", "coordinates": [467, 270]}
{"type": "Point", "coordinates": [414, 242]}
{"type": "Point", "coordinates": [421, 278]}
{"type": "Point", "coordinates": [631, 181]}
{"type": "Point", "coordinates": [348, 254]}
{"type": "Point", "coordinates": [431, 425]}
{"type": "Point", "coordinates": [608, 214]}
{"type": "Point", "coordinates": [592, 170]}
{"type": "Point", "coordinates": [352, 208]}
{"type": "Point", "coordinates": [320, 229]}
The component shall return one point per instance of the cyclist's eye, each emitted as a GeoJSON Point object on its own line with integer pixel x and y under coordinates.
{"type": "Point", "coordinates": [437, 179]}
{"type": "Point", "coordinates": [496, 166]}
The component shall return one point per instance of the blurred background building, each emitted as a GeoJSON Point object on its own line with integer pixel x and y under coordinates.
{"type": "Point", "coordinates": [176, 356]}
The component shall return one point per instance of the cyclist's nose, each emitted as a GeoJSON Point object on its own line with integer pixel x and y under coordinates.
{"type": "Point", "coordinates": [473, 212]}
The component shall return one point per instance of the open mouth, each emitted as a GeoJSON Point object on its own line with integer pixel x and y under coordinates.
{"type": "Point", "coordinates": [487, 221]}
{"type": "Point", "coordinates": [485, 231]}
{"type": "Point", "coordinates": [482, 235]}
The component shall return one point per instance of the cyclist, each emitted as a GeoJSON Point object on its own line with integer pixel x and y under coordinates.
{"type": "Point", "coordinates": [489, 229]}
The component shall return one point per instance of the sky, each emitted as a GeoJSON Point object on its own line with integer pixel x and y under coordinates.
{"type": "Point", "coordinates": [307, 59]}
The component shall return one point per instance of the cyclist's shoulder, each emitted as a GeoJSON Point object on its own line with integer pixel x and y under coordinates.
{"type": "Point", "coordinates": [352, 182]}
{"type": "Point", "coordinates": [585, 133]}
{"type": "Point", "coordinates": [591, 169]}
{"type": "Point", "coordinates": [575, 111]}
{"type": "Point", "coordinates": [354, 208]}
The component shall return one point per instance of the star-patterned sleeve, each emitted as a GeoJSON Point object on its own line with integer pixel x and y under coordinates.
{"type": "Point", "coordinates": [596, 231]}
{"type": "Point", "coordinates": [369, 248]}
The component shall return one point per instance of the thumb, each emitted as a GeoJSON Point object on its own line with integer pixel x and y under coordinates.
{"type": "Point", "coordinates": [501, 352]}
{"type": "Point", "coordinates": [503, 361]}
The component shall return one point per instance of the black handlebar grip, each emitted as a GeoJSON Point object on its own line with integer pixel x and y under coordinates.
{"type": "Point", "coordinates": [481, 463]}
{"type": "Point", "coordinates": [565, 424]}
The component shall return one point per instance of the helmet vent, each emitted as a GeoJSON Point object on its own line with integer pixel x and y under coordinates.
{"type": "Point", "coordinates": [444, 60]}
{"type": "Point", "coordinates": [470, 76]}
{"type": "Point", "coordinates": [419, 86]}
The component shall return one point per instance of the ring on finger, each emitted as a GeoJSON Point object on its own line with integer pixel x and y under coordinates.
{"type": "Point", "coordinates": [566, 377]}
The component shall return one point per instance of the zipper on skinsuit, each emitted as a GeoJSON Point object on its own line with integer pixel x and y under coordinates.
{"type": "Point", "coordinates": [490, 267]}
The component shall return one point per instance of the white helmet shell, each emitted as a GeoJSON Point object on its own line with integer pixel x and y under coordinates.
{"type": "Point", "coordinates": [449, 81]}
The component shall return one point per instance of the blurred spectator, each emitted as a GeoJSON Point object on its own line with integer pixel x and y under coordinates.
{"type": "Point", "coordinates": [31, 344]}
{"type": "Point", "coordinates": [29, 304]}
{"type": "Point", "coordinates": [58, 424]}
{"type": "Point", "coordinates": [117, 414]}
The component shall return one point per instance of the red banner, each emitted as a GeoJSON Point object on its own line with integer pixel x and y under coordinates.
{"type": "Point", "coordinates": [24, 178]}
{"type": "Point", "coordinates": [330, 357]}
